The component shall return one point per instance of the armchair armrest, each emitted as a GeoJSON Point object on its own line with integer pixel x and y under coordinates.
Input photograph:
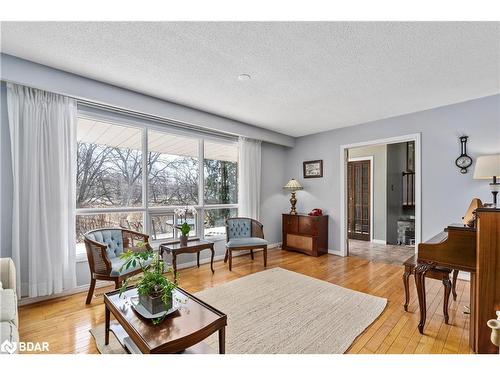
{"type": "Point", "coordinates": [98, 257]}
{"type": "Point", "coordinates": [8, 273]}
{"type": "Point", "coordinates": [257, 229]}
{"type": "Point", "coordinates": [129, 236]}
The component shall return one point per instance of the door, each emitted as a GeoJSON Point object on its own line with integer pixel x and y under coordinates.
{"type": "Point", "coordinates": [358, 200]}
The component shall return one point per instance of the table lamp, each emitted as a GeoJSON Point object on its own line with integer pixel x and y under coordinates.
{"type": "Point", "coordinates": [488, 166]}
{"type": "Point", "coordinates": [292, 186]}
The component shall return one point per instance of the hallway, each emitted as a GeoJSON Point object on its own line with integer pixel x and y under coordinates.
{"type": "Point", "coordinates": [390, 254]}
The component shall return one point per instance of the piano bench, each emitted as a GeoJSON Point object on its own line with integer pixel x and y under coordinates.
{"type": "Point", "coordinates": [438, 273]}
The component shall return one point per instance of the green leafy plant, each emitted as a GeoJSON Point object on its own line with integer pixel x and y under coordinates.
{"type": "Point", "coordinates": [184, 228]}
{"type": "Point", "coordinates": [154, 281]}
{"type": "Point", "coordinates": [182, 214]}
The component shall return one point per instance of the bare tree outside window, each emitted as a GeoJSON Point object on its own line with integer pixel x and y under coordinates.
{"type": "Point", "coordinates": [110, 176]}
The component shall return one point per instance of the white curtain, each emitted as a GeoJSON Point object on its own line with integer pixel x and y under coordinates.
{"type": "Point", "coordinates": [249, 178]}
{"type": "Point", "coordinates": [43, 143]}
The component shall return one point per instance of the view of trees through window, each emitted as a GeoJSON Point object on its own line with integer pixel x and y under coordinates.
{"type": "Point", "coordinates": [110, 176]}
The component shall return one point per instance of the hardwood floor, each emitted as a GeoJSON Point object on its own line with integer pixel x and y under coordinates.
{"type": "Point", "coordinates": [65, 322]}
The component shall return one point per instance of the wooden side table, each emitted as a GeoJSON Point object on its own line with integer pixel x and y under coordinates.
{"type": "Point", "coordinates": [195, 246]}
{"type": "Point", "coordinates": [191, 324]}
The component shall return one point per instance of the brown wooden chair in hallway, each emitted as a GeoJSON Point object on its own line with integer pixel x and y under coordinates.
{"type": "Point", "coordinates": [442, 274]}
{"type": "Point", "coordinates": [104, 247]}
{"type": "Point", "coordinates": [243, 233]}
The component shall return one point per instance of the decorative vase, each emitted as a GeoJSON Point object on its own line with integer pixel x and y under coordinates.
{"type": "Point", "coordinates": [183, 240]}
{"type": "Point", "coordinates": [494, 324]}
{"type": "Point", "coordinates": [154, 304]}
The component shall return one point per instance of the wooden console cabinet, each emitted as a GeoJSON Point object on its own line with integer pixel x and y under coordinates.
{"type": "Point", "coordinates": [306, 234]}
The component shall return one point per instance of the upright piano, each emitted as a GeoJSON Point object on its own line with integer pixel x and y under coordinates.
{"type": "Point", "coordinates": [470, 249]}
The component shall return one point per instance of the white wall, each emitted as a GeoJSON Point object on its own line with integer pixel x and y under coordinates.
{"type": "Point", "coordinates": [379, 154]}
{"type": "Point", "coordinates": [446, 193]}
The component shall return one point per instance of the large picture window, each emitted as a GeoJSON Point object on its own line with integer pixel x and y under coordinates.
{"type": "Point", "coordinates": [109, 165]}
{"type": "Point", "coordinates": [113, 190]}
{"type": "Point", "coordinates": [173, 169]}
{"type": "Point", "coordinates": [221, 173]}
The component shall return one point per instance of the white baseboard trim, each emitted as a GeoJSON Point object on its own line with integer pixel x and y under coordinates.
{"type": "Point", "coordinates": [334, 252]}
{"type": "Point", "coordinates": [381, 242]}
{"type": "Point", "coordinates": [103, 283]}
{"type": "Point", "coordinates": [78, 289]}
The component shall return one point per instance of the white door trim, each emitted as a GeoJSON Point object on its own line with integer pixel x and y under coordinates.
{"type": "Point", "coordinates": [370, 158]}
{"type": "Point", "coordinates": [416, 137]}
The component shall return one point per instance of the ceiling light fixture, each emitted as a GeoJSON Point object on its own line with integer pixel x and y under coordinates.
{"type": "Point", "coordinates": [244, 77]}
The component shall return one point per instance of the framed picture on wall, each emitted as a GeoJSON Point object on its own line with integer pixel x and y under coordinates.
{"type": "Point", "coordinates": [410, 156]}
{"type": "Point", "coordinates": [313, 169]}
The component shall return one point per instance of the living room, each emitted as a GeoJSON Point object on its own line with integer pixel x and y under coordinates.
{"type": "Point", "coordinates": [233, 198]}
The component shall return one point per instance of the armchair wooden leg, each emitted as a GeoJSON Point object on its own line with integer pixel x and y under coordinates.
{"type": "Point", "coordinates": [230, 259]}
{"type": "Point", "coordinates": [265, 257]}
{"type": "Point", "coordinates": [251, 254]}
{"type": "Point", "coordinates": [91, 291]}
{"type": "Point", "coordinates": [226, 256]}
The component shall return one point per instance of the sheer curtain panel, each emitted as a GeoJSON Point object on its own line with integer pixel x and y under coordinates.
{"type": "Point", "coordinates": [43, 144]}
{"type": "Point", "coordinates": [249, 178]}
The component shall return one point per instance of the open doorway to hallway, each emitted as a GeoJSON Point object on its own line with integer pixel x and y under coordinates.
{"type": "Point", "coordinates": [380, 184]}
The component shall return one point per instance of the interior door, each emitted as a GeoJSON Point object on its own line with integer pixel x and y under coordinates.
{"type": "Point", "coordinates": [358, 200]}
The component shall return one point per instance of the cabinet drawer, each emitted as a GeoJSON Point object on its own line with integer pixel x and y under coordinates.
{"type": "Point", "coordinates": [290, 223]}
{"type": "Point", "coordinates": [308, 225]}
{"type": "Point", "coordinates": [300, 242]}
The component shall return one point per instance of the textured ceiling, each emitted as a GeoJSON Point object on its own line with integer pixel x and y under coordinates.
{"type": "Point", "coordinates": [306, 76]}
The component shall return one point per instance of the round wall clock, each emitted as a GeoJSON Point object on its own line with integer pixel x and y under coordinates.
{"type": "Point", "coordinates": [464, 161]}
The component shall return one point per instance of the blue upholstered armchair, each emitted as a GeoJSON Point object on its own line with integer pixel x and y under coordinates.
{"type": "Point", "coordinates": [104, 247]}
{"type": "Point", "coordinates": [244, 234]}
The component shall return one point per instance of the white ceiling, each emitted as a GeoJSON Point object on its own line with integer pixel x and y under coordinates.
{"type": "Point", "coordinates": [307, 77]}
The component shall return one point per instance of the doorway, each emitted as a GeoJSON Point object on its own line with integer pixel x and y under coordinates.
{"type": "Point", "coordinates": [359, 201]}
{"type": "Point", "coordinates": [381, 198]}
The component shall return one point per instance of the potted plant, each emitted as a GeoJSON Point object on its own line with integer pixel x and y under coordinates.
{"type": "Point", "coordinates": [153, 286]}
{"type": "Point", "coordinates": [184, 228]}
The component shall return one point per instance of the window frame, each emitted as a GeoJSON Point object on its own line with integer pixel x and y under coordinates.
{"type": "Point", "coordinates": [147, 212]}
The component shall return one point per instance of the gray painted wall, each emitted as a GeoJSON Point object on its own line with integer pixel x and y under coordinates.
{"type": "Point", "coordinates": [379, 154]}
{"type": "Point", "coordinates": [5, 178]}
{"type": "Point", "coordinates": [446, 193]}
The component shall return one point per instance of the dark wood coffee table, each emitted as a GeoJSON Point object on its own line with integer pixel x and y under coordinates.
{"type": "Point", "coordinates": [188, 326]}
{"type": "Point", "coordinates": [194, 246]}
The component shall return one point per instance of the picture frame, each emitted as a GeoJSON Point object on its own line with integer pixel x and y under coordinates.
{"type": "Point", "coordinates": [313, 169]}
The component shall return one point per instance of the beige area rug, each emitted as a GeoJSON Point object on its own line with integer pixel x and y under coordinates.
{"type": "Point", "coordinates": [115, 346]}
{"type": "Point", "coordinates": [279, 311]}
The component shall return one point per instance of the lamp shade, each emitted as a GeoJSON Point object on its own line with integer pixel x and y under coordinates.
{"type": "Point", "coordinates": [486, 167]}
{"type": "Point", "coordinates": [293, 185]}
